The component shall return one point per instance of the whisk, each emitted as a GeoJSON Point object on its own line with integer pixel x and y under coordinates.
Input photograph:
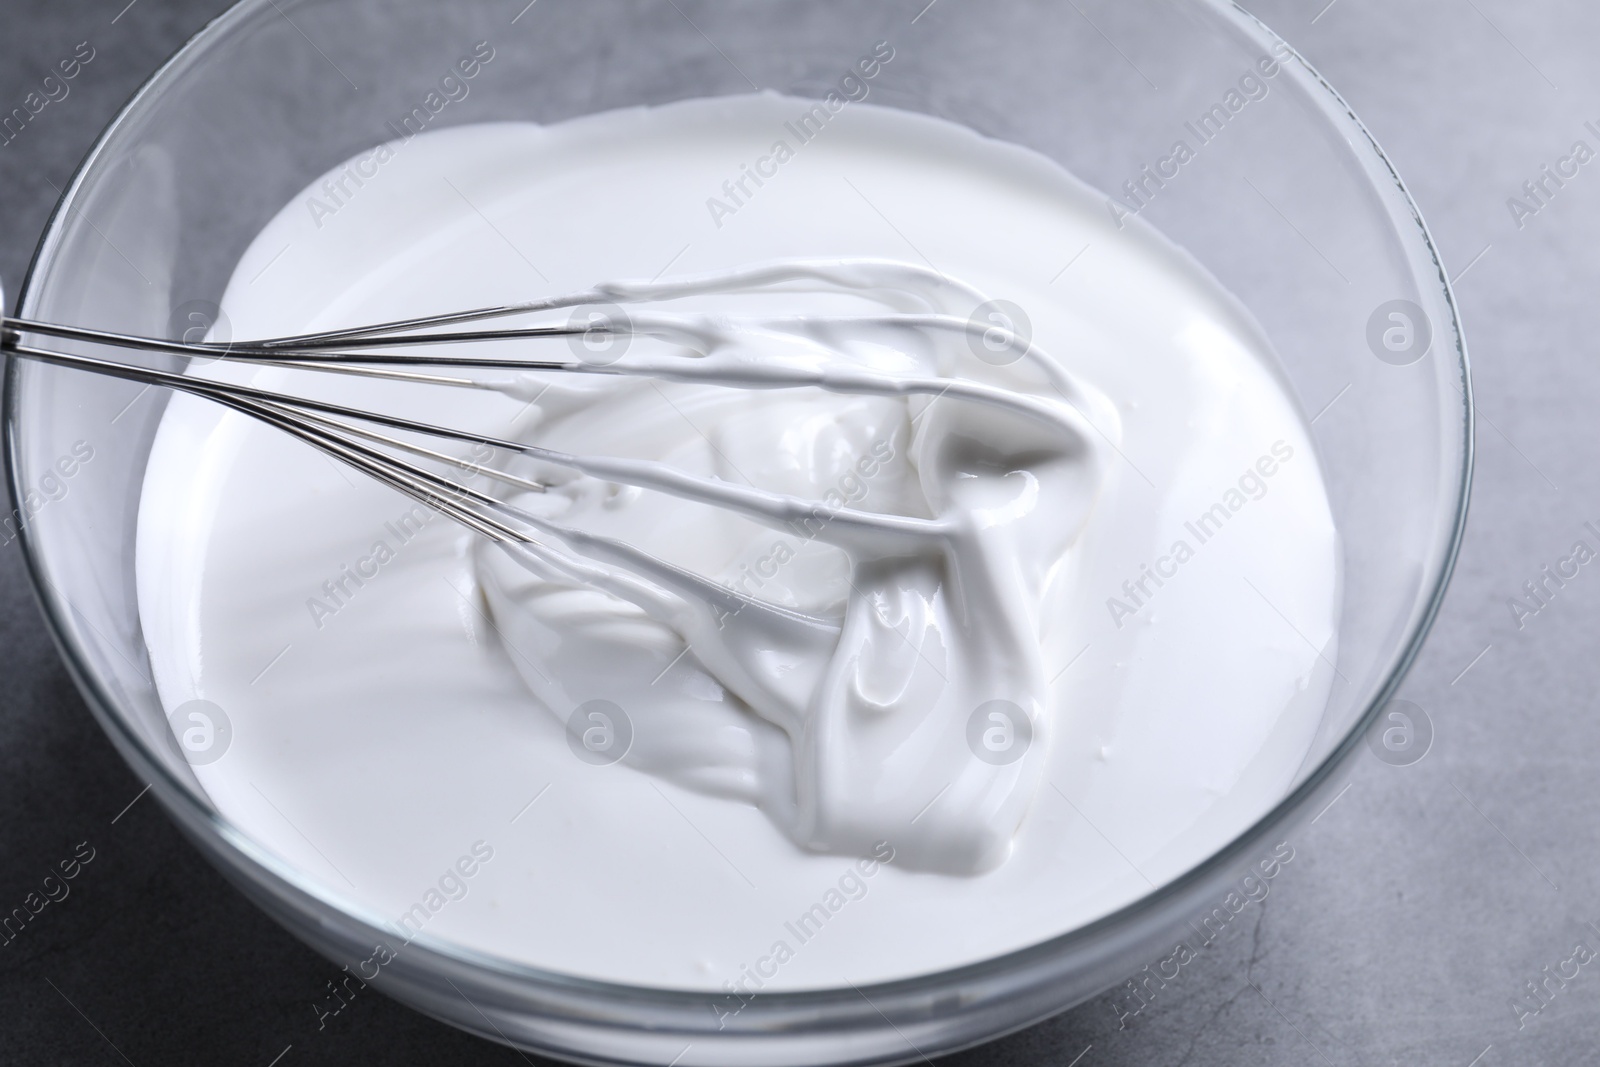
{"type": "Point", "coordinates": [792, 353]}
{"type": "Point", "coordinates": [949, 345]}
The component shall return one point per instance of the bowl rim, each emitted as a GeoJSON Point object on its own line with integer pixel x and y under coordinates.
{"type": "Point", "coordinates": [178, 797]}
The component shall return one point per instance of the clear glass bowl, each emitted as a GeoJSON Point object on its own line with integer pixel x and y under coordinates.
{"type": "Point", "coordinates": [1286, 199]}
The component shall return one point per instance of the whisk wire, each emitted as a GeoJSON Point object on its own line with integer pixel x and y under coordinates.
{"type": "Point", "coordinates": [707, 349]}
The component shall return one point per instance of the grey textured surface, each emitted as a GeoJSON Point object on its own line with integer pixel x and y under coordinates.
{"type": "Point", "coordinates": [1419, 904]}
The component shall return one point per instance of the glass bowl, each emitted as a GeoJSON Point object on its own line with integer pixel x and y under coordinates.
{"type": "Point", "coordinates": [1283, 196]}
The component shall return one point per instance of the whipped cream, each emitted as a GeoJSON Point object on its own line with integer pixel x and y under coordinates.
{"type": "Point", "coordinates": [850, 696]}
{"type": "Point", "coordinates": [919, 574]}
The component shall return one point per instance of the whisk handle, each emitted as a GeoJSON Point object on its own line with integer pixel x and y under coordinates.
{"type": "Point", "coordinates": [8, 334]}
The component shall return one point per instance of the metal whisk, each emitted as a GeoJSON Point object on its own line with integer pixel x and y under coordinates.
{"type": "Point", "coordinates": [710, 349]}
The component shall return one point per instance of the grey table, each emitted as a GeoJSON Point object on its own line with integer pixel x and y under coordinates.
{"type": "Point", "coordinates": [1420, 905]}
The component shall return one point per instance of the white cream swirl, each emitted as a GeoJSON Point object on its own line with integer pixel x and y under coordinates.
{"type": "Point", "coordinates": [856, 698]}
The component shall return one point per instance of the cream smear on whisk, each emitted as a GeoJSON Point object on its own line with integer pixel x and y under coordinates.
{"type": "Point", "coordinates": [895, 687]}
{"type": "Point", "coordinates": [895, 677]}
